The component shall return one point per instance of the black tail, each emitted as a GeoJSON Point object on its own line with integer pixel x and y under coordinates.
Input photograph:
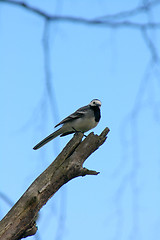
{"type": "Point", "coordinates": [48, 139]}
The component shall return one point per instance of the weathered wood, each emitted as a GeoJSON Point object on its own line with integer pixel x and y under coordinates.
{"type": "Point", "coordinates": [20, 221]}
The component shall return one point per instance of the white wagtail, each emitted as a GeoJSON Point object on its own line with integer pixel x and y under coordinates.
{"type": "Point", "coordinates": [82, 120]}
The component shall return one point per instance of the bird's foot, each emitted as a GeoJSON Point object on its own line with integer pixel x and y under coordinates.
{"type": "Point", "coordinates": [76, 131]}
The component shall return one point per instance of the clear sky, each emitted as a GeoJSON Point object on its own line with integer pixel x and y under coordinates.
{"type": "Point", "coordinates": [84, 62]}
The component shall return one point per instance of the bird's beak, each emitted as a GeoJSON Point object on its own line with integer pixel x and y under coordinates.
{"type": "Point", "coordinates": [99, 105]}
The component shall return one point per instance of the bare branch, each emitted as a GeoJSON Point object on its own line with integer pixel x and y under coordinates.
{"type": "Point", "coordinates": [86, 171]}
{"type": "Point", "coordinates": [47, 70]}
{"type": "Point", "coordinates": [95, 21]}
{"type": "Point", "coordinates": [28, 7]}
{"type": "Point", "coordinates": [133, 12]}
{"type": "Point", "coordinates": [150, 45]}
{"type": "Point", "coordinates": [21, 219]}
{"type": "Point", "coordinates": [6, 199]}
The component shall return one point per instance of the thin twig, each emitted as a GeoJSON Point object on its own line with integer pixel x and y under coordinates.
{"type": "Point", "coordinates": [80, 20]}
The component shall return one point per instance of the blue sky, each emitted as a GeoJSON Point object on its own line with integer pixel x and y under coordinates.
{"type": "Point", "coordinates": [85, 62]}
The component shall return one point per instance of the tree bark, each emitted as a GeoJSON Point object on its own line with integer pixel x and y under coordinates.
{"type": "Point", "coordinates": [20, 221]}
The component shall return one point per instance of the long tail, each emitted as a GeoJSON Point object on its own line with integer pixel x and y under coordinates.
{"type": "Point", "coordinates": [49, 138]}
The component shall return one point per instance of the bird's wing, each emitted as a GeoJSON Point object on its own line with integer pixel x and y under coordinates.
{"type": "Point", "coordinates": [77, 114]}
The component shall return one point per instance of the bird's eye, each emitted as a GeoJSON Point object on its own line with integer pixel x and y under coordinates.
{"type": "Point", "coordinates": [93, 102]}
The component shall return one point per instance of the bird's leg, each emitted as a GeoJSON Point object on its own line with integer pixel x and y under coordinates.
{"type": "Point", "coordinates": [76, 131]}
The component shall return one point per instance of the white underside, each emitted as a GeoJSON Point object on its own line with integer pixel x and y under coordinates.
{"type": "Point", "coordinates": [80, 124]}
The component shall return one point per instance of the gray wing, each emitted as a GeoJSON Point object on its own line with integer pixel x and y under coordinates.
{"type": "Point", "coordinates": [77, 114]}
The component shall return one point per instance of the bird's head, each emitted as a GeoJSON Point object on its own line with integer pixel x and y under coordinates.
{"type": "Point", "coordinates": [95, 103]}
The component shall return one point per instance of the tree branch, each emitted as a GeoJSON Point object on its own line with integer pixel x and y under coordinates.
{"type": "Point", "coordinates": [102, 21]}
{"type": "Point", "coordinates": [20, 221]}
{"type": "Point", "coordinates": [133, 12]}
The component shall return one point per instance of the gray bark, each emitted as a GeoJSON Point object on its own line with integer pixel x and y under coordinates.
{"type": "Point", "coordinates": [20, 221]}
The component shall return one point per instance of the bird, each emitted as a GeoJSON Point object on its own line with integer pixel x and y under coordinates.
{"type": "Point", "coordinates": [82, 120]}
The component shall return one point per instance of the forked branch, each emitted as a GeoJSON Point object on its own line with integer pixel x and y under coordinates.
{"type": "Point", "coordinates": [20, 221]}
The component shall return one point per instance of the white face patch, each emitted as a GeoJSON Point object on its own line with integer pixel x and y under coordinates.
{"type": "Point", "coordinates": [95, 102]}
